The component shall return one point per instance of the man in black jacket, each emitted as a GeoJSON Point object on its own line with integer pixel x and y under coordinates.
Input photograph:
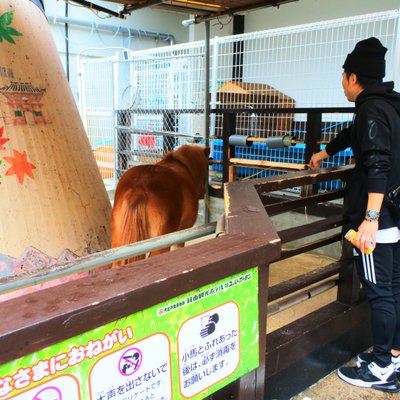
{"type": "Point", "coordinates": [374, 138]}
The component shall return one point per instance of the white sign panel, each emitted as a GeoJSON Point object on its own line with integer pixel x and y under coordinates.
{"type": "Point", "coordinates": [139, 371]}
{"type": "Point", "coordinates": [208, 348]}
{"type": "Point", "coordinates": [63, 388]}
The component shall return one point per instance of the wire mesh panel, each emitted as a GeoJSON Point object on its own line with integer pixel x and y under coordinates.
{"type": "Point", "coordinates": [159, 94]}
{"type": "Point", "coordinates": [97, 111]}
{"type": "Point", "coordinates": [298, 66]}
{"type": "Point", "coordinates": [163, 84]}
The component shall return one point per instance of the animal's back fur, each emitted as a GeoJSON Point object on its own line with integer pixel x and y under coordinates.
{"type": "Point", "coordinates": [152, 200]}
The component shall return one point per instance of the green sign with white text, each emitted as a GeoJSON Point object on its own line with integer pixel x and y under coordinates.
{"type": "Point", "coordinates": [185, 348]}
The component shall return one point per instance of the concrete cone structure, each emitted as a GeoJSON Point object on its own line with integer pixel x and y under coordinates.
{"type": "Point", "coordinates": [52, 195]}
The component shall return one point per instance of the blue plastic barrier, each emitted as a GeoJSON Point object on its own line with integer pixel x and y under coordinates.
{"type": "Point", "coordinates": [293, 154]}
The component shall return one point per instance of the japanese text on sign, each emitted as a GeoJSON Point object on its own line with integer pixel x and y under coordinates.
{"type": "Point", "coordinates": [208, 348]}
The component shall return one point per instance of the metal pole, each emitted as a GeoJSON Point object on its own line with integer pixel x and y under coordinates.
{"type": "Point", "coordinates": [106, 257]}
{"type": "Point", "coordinates": [214, 87]}
{"type": "Point", "coordinates": [123, 30]}
{"type": "Point", "coordinates": [207, 114]}
{"type": "Point", "coordinates": [297, 298]}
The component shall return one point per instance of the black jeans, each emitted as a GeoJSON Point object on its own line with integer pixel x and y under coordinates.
{"type": "Point", "coordinates": [379, 274]}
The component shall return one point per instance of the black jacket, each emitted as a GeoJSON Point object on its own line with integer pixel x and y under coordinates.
{"type": "Point", "coordinates": [374, 138]}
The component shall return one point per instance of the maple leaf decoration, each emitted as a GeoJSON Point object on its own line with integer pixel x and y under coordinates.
{"type": "Point", "coordinates": [6, 31]}
{"type": "Point", "coordinates": [20, 166]}
{"type": "Point", "coordinates": [2, 140]}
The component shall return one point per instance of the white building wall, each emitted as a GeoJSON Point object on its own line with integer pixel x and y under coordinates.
{"type": "Point", "coordinates": [80, 38]}
{"type": "Point", "coordinates": [305, 11]}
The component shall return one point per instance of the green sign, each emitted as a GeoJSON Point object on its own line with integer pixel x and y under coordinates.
{"type": "Point", "coordinates": [185, 348]}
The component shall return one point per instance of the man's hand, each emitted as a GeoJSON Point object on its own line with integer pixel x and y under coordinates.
{"type": "Point", "coordinates": [317, 158]}
{"type": "Point", "coordinates": [366, 236]}
{"type": "Point", "coordinates": [367, 230]}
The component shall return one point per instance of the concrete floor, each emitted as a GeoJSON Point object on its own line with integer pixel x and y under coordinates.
{"type": "Point", "coordinates": [333, 388]}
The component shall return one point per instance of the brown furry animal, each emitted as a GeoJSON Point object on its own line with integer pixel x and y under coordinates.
{"type": "Point", "coordinates": [152, 200]}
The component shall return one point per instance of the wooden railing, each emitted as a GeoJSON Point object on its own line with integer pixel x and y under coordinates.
{"type": "Point", "coordinates": [41, 319]}
{"type": "Point", "coordinates": [54, 315]}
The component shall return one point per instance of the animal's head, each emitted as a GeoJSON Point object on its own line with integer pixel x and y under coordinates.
{"type": "Point", "coordinates": [195, 158]}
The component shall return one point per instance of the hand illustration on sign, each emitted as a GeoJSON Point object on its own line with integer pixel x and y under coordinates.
{"type": "Point", "coordinates": [210, 326]}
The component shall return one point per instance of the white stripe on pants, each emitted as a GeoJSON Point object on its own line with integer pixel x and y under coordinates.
{"type": "Point", "coordinates": [369, 268]}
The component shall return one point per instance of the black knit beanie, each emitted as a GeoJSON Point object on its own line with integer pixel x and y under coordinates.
{"type": "Point", "coordinates": [367, 59]}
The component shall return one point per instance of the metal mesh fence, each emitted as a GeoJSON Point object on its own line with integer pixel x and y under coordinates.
{"type": "Point", "coordinates": [96, 91]}
{"type": "Point", "coordinates": [162, 84]}
{"type": "Point", "coordinates": [138, 105]}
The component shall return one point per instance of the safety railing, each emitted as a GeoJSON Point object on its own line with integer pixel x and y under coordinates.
{"type": "Point", "coordinates": [142, 323]}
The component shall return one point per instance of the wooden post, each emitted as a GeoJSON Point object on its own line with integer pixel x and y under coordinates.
{"type": "Point", "coordinates": [244, 212]}
{"type": "Point", "coordinates": [229, 128]}
{"type": "Point", "coordinates": [252, 385]}
{"type": "Point", "coordinates": [349, 282]}
{"type": "Point", "coordinates": [313, 136]}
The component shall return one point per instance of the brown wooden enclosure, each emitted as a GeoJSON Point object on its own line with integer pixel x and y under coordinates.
{"type": "Point", "coordinates": [291, 358]}
{"type": "Point", "coordinates": [37, 320]}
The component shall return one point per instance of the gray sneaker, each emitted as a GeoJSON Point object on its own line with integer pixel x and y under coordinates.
{"type": "Point", "coordinates": [371, 376]}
